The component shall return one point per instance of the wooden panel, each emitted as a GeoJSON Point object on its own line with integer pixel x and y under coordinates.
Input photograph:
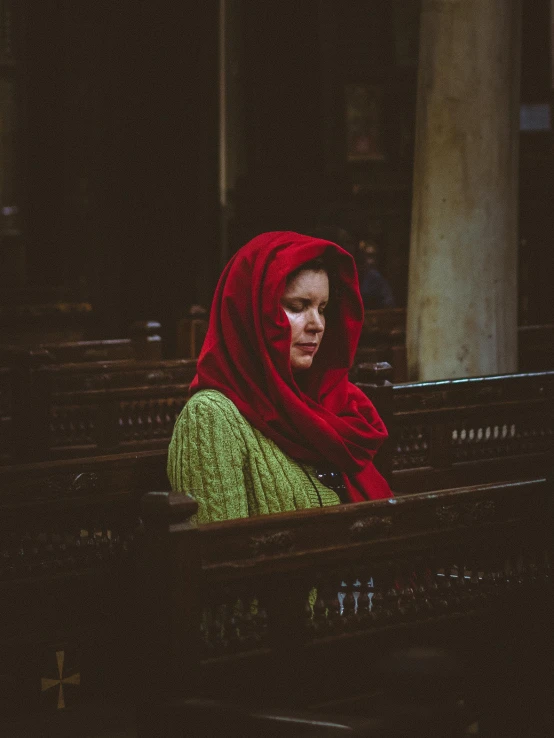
{"type": "Point", "coordinates": [454, 432]}
{"type": "Point", "coordinates": [306, 609]}
{"type": "Point", "coordinates": [67, 534]}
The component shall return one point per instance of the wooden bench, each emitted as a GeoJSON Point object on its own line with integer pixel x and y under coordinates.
{"type": "Point", "coordinates": [456, 432]}
{"type": "Point", "coordinates": [34, 314]}
{"type": "Point", "coordinates": [464, 572]}
{"type": "Point", "coordinates": [19, 363]}
{"type": "Point", "coordinates": [72, 646]}
{"type": "Point", "coordinates": [101, 407]}
{"type": "Point", "coordinates": [144, 342]}
{"type": "Point", "coordinates": [190, 334]}
{"type": "Point", "coordinates": [67, 531]}
{"type": "Point", "coordinates": [442, 434]}
{"type": "Point", "coordinates": [383, 339]}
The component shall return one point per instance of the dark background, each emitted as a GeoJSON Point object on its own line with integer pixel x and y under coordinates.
{"type": "Point", "coordinates": [116, 143]}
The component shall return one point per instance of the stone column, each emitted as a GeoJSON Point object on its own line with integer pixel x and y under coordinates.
{"type": "Point", "coordinates": [462, 297]}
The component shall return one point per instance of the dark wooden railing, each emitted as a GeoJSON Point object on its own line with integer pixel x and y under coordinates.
{"type": "Point", "coordinates": [67, 532]}
{"type": "Point", "coordinates": [107, 602]}
{"type": "Point", "coordinates": [308, 609]}
{"type": "Point", "coordinates": [190, 335]}
{"type": "Point", "coordinates": [105, 407]}
{"type": "Point", "coordinates": [442, 434]}
{"type": "Point", "coordinates": [144, 343]}
{"type": "Point", "coordinates": [19, 364]}
{"type": "Point", "coordinates": [466, 431]}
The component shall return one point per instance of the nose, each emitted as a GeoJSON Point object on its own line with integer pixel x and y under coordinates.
{"type": "Point", "coordinates": [316, 321]}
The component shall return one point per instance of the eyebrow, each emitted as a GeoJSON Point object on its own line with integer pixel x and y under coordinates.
{"type": "Point", "coordinates": [303, 300]}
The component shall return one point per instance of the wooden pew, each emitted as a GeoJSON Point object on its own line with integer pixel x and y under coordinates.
{"type": "Point", "coordinates": [94, 408]}
{"type": "Point", "coordinates": [383, 339]}
{"type": "Point", "coordinates": [67, 532]}
{"type": "Point", "coordinates": [442, 434]}
{"type": "Point", "coordinates": [456, 432]}
{"type": "Point", "coordinates": [18, 365]}
{"type": "Point", "coordinates": [71, 540]}
{"type": "Point", "coordinates": [463, 572]}
{"type": "Point", "coordinates": [55, 507]}
{"type": "Point", "coordinates": [190, 334]}
{"type": "Point", "coordinates": [48, 313]}
{"type": "Point", "coordinates": [144, 342]}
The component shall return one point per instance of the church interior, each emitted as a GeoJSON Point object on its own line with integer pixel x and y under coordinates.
{"type": "Point", "coordinates": [141, 145]}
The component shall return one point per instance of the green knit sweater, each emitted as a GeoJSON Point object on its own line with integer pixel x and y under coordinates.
{"type": "Point", "coordinates": [232, 469]}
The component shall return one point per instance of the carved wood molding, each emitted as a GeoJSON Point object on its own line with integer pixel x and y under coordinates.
{"type": "Point", "coordinates": [466, 513]}
{"type": "Point", "coordinates": [70, 484]}
{"type": "Point", "coordinates": [58, 486]}
{"type": "Point", "coordinates": [274, 543]}
{"type": "Point", "coordinates": [370, 527]}
{"type": "Point", "coordinates": [475, 391]}
{"type": "Point", "coordinates": [108, 378]}
{"type": "Point", "coordinates": [55, 486]}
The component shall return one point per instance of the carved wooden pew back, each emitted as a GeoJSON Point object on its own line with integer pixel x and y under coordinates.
{"type": "Point", "coordinates": [442, 434]}
{"type": "Point", "coordinates": [102, 407]}
{"type": "Point", "coordinates": [450, 433]}
{"type": "Point", "coordinates": [34, 314]}
{"type": "Point", "coordinates": [190, 334]}
{"type": "Point", "coordinates": [384, 339]}
{"type": "Point", "coordinates": [18, 365]}
{"type": "Point", "coordinates": [308, 609]}
{"type": "Point", "coordinates": [234, 597]}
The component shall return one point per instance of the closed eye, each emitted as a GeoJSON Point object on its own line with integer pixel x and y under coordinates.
{"type": "Point", "coordinates": [300, 306]}
{"type": "Point", "coordinates": [295, 307]}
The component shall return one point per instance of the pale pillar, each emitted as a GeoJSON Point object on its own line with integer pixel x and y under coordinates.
{"type": "Point", "coordinates": [462, 301]}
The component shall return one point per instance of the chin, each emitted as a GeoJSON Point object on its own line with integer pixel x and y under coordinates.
{"type": "Point", "coordinates": [301, 366]}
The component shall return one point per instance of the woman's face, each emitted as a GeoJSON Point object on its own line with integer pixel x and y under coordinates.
{"type": "Point", "coordinates": [304, 301]}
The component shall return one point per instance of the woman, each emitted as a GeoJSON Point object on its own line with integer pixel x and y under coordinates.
{"type": "Point", "coordinates": [273, 424]}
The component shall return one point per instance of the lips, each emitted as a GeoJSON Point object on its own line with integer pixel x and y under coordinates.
{"type": "Point", "coordinates": [308, 348]}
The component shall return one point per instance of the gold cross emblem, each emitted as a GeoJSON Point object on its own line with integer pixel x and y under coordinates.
{"type": "Point", "coordinates": [47, 683]}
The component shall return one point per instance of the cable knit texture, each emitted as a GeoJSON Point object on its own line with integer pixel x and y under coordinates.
{"type": "Point", "coordinates": [232, 469]}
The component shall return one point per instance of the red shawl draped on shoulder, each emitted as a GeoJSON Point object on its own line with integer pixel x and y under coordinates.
{"type": "Point", "coordinates": [316, 415]}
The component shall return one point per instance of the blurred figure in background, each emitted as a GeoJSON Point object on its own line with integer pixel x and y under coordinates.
{"type": "Point", "coordinates": [375, 290]}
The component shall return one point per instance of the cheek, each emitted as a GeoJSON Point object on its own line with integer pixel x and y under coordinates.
{"type": "Point", "coordinates": [295, 321]}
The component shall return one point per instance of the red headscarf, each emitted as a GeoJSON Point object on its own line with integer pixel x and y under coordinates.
{"type": "Point", "coordinates": [316, 415]}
